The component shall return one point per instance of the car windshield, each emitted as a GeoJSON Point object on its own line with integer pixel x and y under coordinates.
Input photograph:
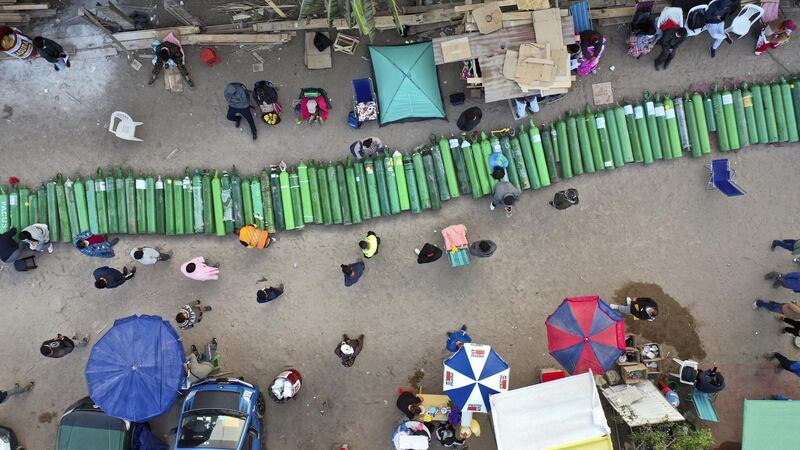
{"type": "Point", "coordinates": [211, 429]}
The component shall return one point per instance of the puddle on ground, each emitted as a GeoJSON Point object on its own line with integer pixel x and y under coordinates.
{"type": "Point", "coordinates": [415, 379]}
{"type": "Point", "coordinates": [47, 417]}
{"type": "Point", "coordinates": [674, 326]}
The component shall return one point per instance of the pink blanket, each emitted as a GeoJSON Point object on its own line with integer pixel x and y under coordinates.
{"type": "Point", "coordinates": [455, 236]}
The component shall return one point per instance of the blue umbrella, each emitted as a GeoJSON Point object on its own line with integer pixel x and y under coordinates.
{"type": "Point", "coordinates": [135, 370]}
{"type": "Point", "coordinates": [472, 374]}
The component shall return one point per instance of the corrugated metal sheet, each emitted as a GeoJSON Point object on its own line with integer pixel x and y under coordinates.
{"type": "Point", "coordinates": [580, 16]}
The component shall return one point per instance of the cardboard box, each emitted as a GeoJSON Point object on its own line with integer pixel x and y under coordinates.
{"type": "Point", "coordinates": [547, 26]}
{"type": "Point", "coordinates": [634, 373]}
{"type": "Point", "coordinates": [654, 366]}
{"type": "Point", "coordinates": [510, 65]}
{"type": "Point", "coordinates": [456, 50]}
{"type": "Point", "coordinates": [489, 18]}
{"type": "Point", "coordinates": [633, 357]}
{"type": "Point", "coordinates": [658, 357]}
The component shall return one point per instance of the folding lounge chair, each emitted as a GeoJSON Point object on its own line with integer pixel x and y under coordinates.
{"type": "Point", "coordinates": [704, 406]}
{"type": "Point", "coordinates": [364, 104]}
{"type": "Point", "coordinates": [721, 178]}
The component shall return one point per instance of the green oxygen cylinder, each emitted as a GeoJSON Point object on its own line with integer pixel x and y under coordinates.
{"type": "Point", "coordinates": [23, 197]}
{"type": "Point", "coordinates": [613, 139]}
{"type": "Point", "coordinates": [633, 132]}
{"type": "Point", "coordinates": [441, 178]}
{"type": "Point", "coordinates": [150, 204]}
{"type": "Point", "coordinates": [63, 215]}
{"type": "Point", "coordinates": [413, 192]}
{"type": "Point", "coordinates": [672, 128]}
{"type": "Point", "coordinates": [237, 201]}
{"type": "Point", "coordinates": [111, 198]}
{"type": "Point", "coordinates": [161, 227]}
{"type": "Point", "coordinates": [216, 196]}
{"type": "Point", "coordinates": [177, 194]}
{"type": "Point", "coordinates": [562, 142]}
{"type": "Point", "coordinates": [486, 149]}
{"type": "Point", "coordinates": [788, 107]}
{"type": "Point", "coordinates": [719, 120]}
{"type": "Point", "coordinates": [277, 199]}
{"type": "Point", "coordinates": [5, 219]}
{"type": "Point", "coordinates": [316, 202]}
{"type": "Point", "coordinates": [749, 114]}
{"type": "Point", "coordinates": [258, 202]}
{"type": "Point", "coordinates": [527, 156]}
{"type": "Point", "coordinates": [80, 205]}
{"type": "Point", "coordinates": [538, 155]}
{"type": "Point", "coordinates": [169, 207]}
{"type": "Point", "coordinates": [208, 202]}
{"type": "Point", "coordinates": [91, 205]}
{"type": "Point", "coordinates": [422, 183]}
{"type": "Point", "coordinates": [391, 184]}
{"type": "Point", "coordinates": [247, 201]}
{"type": "Point", "coordinates": [519, 161]}
{"type": "Point", "coordinates": [708, 108]}
{"type": "Point", "coordinates": [341, 181]}
{"type": "Point", "coordinates": [72, 208]}
{"type": "Point", "coordinates": [740, 119]}
{"type": "Point", "coordinates": [605, 141]}
{"type": "Point", "coordinates": [122, 204]}
{"type": "Point", "coordinates": [584, 143]}
{"type": "Point", "coordinates": [33, 208]}
{"type": "Point", "coordinates": [352, 191]}
{"type": "Point", "coordinates": [430, 179]}
{"type": "Point", "coordinates": [594, 139]}
{"type": "Point", "coordinates": [141, 205]}
{"type": "Point", "coordinates": [286, 199]}
{"type": "Point", "coordinates": [550, 150]}
{"type": "Point", "coordinates": [663, 131]}
{"type": "Point", "coordinates": [383, 192]}
{"type": "Point", "coordinates": [462, 178]}
{"type": "Point", "coordinates": [227, 202]}
{"type": "Point", "coordinates": [297, 202]}
{"type": "Point", "coordinates": [130, 202]}
{"type": "Point", "coordinates": [52, 211]}
{"type": "Point", "coordinates": [324, 195]}
{"type": "Point", "coordinates": [197, 202]}
{"type": "Point", "coordinates": [511, 170]}
{"type": "Point", "coordinates": [472, 171]}
{"type": "Point", "coordinates": [758, 113]}
{"type": "Point", "coordinates": [644, 134]}
{"type": "Point", "coordinates": [652, 127]}
{"type": "Point", "coordinates": [188, 203]}
{"type": "Point", "coordinates": [730, 120]}
{"type": "Point", "coordinates": [780, 113]}
{"type": "Point", "coordinates": [698, 103]}
{"type": "Point", "coordinates": [691, 127]}
{"type": "Point", "coordinates": [449, 166]}
{"type": "Point", "coordinates": [372, 187]}
{"type": "Point", "coordinates": [361, 187]}
{"type": "Point", "coordinates": [769, 113]}
{"type": "Point", "coordinates": [333, 190]}
{"type": "Point", "coordinates": [305, 192]}
{"type": "Point", "coordinates": [44, 211]}
{"type": "Point", "coordinates": [400, 178]}
{"type": "Point", "coordinates": [624, 135]}
{"type": "Point", "coordinates": [480, 166]}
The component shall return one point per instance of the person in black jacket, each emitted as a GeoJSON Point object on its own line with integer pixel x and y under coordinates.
{"type": "Point", "coordinates": [10, 248]}
{"type": "Point", "coordinates": [715, 16]}
{"type": "Point", "coordinates": [107, 278]}
{"type": "Point", "coordinates": [641, 308]}
{"type": "Point", "coordinates": [62, 346]}
{"type": "Point", "coordinates": [168, 51]}
{"type": "Point", "coordinates": [670, 41]}
{"type": "Point", "coordinates": [409, 404]}
{"type": "Point", "coordinates": [52, 52]}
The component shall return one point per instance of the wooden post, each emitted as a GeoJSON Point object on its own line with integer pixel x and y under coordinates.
{"type": "Point", "coordinates": [276, 8]}
{"type": "Point", "coordinates": [91, 18]}
{"type": "Point", "coordinates": [180, 13]}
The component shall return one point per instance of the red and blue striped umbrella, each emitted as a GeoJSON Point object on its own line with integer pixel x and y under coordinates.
{"type": "Point", "coordinates": [585, 333]}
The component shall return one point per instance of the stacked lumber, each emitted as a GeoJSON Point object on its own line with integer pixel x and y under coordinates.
{"type": "Point", "coordinates": [191, 35]}
{"type": "Point", "coordinates": [12, 13]}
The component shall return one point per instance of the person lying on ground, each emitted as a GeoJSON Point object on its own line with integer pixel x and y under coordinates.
{"type": "Point", "coordinates": [96, 245]}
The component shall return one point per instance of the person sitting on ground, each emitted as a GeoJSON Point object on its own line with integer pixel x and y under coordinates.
{"type": "Point", "coordinates": [641, 308]}
{"type": "Point", "coordinates": [96, 245]}
{"type": "Point", "coordinates": [469, 119]}
{"type": "Point", "coordinates": [269, 293]}
{"type": "Point", "coordinates": [352, 273]}
{"type": "Point", "coordinates": [148, 256]}
{"type": "Point", "coordinates": [428, 254]}
{"type": "Point", "coordinates": [369, 246]}
{"type": "Point", "coordinates": [483, 248]}
{"type": "Point", "coordinates": [505, 193]}
{"type": "Point", "coordinates": [37, 236]}
{"type": "Point", "coordinates": [198, 365]}
{"type": "Point", "coordinates": [710, 381]}
{"type": "Point", "coordinates": [62, 346]}
{"type": "Point", "coordinates": [251, 236]}
{"type": "Point", "coordinates": [670, 41]}
{"type": "Point", "coordinates": [775, 34]}
{"type": "Point", "coordinates": [166, 51]}
{"type": "Point", "coordinates": [409, 404]}
{"type": "Point", "coordinates": [191, 314]}
{"type": "Point", "coordinates": [643, 40]}
{"type": "Point", "coordinates": [564, 199]}
{"type": "Point", "coordinates": [456, 339]}
{"type": "Point", "coordinates": [197, 269]}
{"type": "Point", "coordinates": [107, 278]}
{"type": "Point", "coordinates": [10, 249]}
{"type": "Point", "coordinates": [367, 147]}
{"type": "Point", "coordinates": [348, 349]}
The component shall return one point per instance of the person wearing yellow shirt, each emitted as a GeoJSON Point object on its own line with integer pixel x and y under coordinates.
{"type": "Point", "coordinates": [369, 246]}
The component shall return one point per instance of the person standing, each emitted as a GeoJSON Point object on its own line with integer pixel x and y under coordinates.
{"type": "Point", "coordinates": [793, 328]}
{"type": "Point", "coordinates": [775, 34]}
{"type": "Point", "coordinates": [791, 309]}
{"type": "Point", "coordinates": [564, 199]}
{"type": "Point", "coordinates": [147, 256]}
{"type": "Point", "coordinates": [191, 314]}
{"type": "Point", "coordinates": [369, 246]}
{"type": "Point", "coordinates": [52, 52]}
{"type": "Point", "coordinates": [197, 269]}
{"type": "Point", "coordinates": [238, 98]}
{"type": "Point", "coordinates": [348, 349]}
{"type": "Point", "coordinates": [37, 236]}
{"type": "Point", "coordinates": [409, 404]}
{"type": "Point", "coordinates": [352, 273]}
{"type": "Point", "coordinates": [785, 363]}
{"type": "Point", "coordinates": [16, 390]}
{"type": "Point", "coordinates": [456, 339]}
{"type": "Point", "coordinates": [107, 278]}
{"type": "Point", "coordinates": [428, 254]}
{"type": "Point", "coordinates": [94, 244]}
{"type": "Point", "coordinates": [792, 245]}
{"type": "Point", "coordinates": [166, 51]}
{"type": "Point", "coordinates": [482, 249]}
{"type": "Point", "coordinates": [269, 293]}
{"type": "Point", "coordinates": [790, 280]}
{"type": "Point", "coordinates": [62, 346]}
{"type": "Point", "coordinates": [715, 23]}
{"type": "Point", "coordinates": [641, 308]}
{"type": "Point", "coordinates": [505, 193]}
{"type": "Point", "coordinates": [670, 41]}
{"type": "Point", "coordinates": [10, 249]}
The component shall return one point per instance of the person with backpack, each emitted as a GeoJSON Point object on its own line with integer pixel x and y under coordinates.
{"type": "Point", "coordinates": [238, 98]}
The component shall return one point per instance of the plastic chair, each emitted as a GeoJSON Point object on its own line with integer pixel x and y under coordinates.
{"type": "Point", "coordinates": [674, 13]}
{"type": "Point", "coordinates": [699, 9]}
{"type": "Point", "coordinates": [748, 15]}
{"type": "Point", "coordinates": [721, 178]}
{"type": "Point", "coordinates": [687, 371]}
{"type": "Point", "coordinates": [126, 127]}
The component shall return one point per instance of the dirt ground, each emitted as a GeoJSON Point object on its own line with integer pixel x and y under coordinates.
{"type": "Point", "coordinates": [655, 224]}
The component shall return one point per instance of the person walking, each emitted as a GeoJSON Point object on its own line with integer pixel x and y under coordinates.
{"type": "Point", "coordinates": [791, 309]}
{"type": "Point", "coordinates": [166, 51]}
{"type": "Point", "coordinates": [199, 366]}
{"type": "Point", "coordinates": [409, 404]}
{"type": "Point", "coordinates": [348, 349]}
{"type": "Point", "coordinates": [107, 278]}
{"type": "Point", "coordinates": [564, 199]}
{"type": "Point", "coordinates": [456, 339]}
{"type": "Point", "coordinates": [191, 314]}
{"type": "Point", "coordinates": [62, 346]}
{"type": "Point", "coordinates": [670, 41]}
{"type": "Point", "coordinates": [785, 363]}
{"type": "Point", "coordinates": [37, 236]}
{"type": "Point", "coordinates": [352, 273]}
{"type": "Point", "coordinates": [269, 293]}
{"type": "Point", "coordinates": [147, 256]}
{"type": "Point", "coordinates": [238, 98]}
{"type": "Point", "coordinates": [96, 245]}
{"type": "Point", "coordinates": [641, 308]}
{"type": "Point", "coordinates": [369, 245]}
{"type": "Point", "coordinates": [10, 249]}
{"type": "Point", "coordinates": [197, 269]}
{"type": "Point", "coordinates": [792, 245]}
{"type": "Point", "coordinates": [790, 280]}
{"type": "Point", "coordinates": [52, 52]}
{"type": "Point", "coordinates": [505, 193]}
{"type": "Point", "coordinates": [482, 249]}
{"type": "Point", "coordinates": [793, 328]}
{"type": "Point", "coordinates": [428, 254]}
{"type": "Point", "coordinates": [715, 23]}
{"type": "Point", "coordinates": [16, 390]}
{"type": "Point", "coordinates": [775, 34]}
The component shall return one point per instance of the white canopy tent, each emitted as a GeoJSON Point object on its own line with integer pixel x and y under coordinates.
{"type": "Point", "coordinates": [559, 414]}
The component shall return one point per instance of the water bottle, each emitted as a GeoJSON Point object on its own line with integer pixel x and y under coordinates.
{"type": "Point", "coordinates": [670, 395]}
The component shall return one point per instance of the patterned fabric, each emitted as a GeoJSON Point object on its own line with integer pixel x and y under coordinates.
{"type": "Point", "coordinates": [99, 249]}
{"type": "Point", "coordinates": [641, 44]}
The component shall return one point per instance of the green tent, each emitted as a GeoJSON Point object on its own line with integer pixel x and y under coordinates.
{"type": "Point", "coordinates": [770, 424]}
{"type": "Point", "coordinates": [407, 83]}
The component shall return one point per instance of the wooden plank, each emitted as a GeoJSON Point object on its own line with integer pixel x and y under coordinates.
{"type": "Point", "coordinates": [180, 13]}
{"type": "Point", "coordinates": [567, 27]}
{"type": "Point", "coordinates": [24, 7]}
{"type": "Point", "coordinates": [92, 19]}
{"type": "Point", "coordinates": [113, 13]}
{"type": "Point", "coordinates": [155, 33]}
{"type": "Point", "coordinates": [487, 44]}
{"type": "Point", "coordinates": [234, 39]}
{"type": "Point", "coordinates": [468, 8]}
{"type": "Point", "coordinates": [381, 22]}
{"type": "Point", "coordinates": [495, 86]}
{"type": "Point", "coordinates": [276, 8]}
{"type": "Point", "coordinates": [91, 53]}
{"type": "Point", "coordinates": [14, 17]}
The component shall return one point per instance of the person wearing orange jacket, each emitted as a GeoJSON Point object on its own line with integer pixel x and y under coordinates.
{"type": "Point", "coordinates": [251, 236]}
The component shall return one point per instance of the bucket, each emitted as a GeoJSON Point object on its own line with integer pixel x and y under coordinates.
{"type": "Point", "coordinates": [285, 386]}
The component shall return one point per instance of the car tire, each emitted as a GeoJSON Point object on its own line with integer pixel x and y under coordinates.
{"type": "Point", "coordinates": [261, 406]}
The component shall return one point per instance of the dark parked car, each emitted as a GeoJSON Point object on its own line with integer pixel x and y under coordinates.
{"type": "Point", "coordinates": [8, 441]}
{"type": "Point", "coordinates": [84, 426]}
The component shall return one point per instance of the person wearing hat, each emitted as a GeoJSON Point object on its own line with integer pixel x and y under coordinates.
{"type": "Point", "coordinates": [482, 249]}
{"type": "Point", "coordinates": [564, 199]}
{"type": "Point", "coordinates": [62, 346]}
{"type": "Point", "coordinates": [238, 98]}
{"type": "Point", "coordinates": [52, 52]}
{"type": "Point", "coordinates": [456, 339]}
{"type": "Point", "coordinates": [428, 254]}
{"type": "Point", "coordinates": [269, 293]}
{"type": "Point", "coordinates": [166, 51]}
{"type": "Point", "coordinates": [775, 34]}
{"type": "Point", "coordinates": [369, 245]}
{"type": "Point", "coordinates": [710, 381]}
{"type": "Point", "coordinates": [469, 119]}
{"type": "Point", "coordinates": [352, 273]}
{"type": "Point", "coordinates": [348, 349]}
{"type": "Point", "coordinates": [505, 193]}
{"type": "Point", "coordinates": [641, 308]}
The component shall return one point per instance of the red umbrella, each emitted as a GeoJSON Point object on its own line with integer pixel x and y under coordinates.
{"type": "Point", "coordinates": [585, 333]}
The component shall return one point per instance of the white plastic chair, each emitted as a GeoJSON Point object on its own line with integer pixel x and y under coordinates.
{"type": "Point", "coordinates": [748, 15]}
{"type": "Point", "coordinates": [126, 127]}
{"type": "Point", "coordinates": [676, 14]}
{"type": "Point", "coordinates": [687, 371]}
{"type": "Point", "coordinates": [699, 9]}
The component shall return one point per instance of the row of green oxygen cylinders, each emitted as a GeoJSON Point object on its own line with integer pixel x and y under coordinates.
{"type": "Point", "coordinates": [391, 182]}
